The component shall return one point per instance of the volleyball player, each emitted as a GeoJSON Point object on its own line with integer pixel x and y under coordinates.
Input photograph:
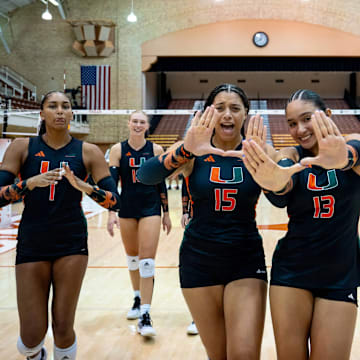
{"type": "Point", "coordinates": [140, 216]}
{"type": "Point", "coordinates": [52, 250]}
{"type": "Point", "coordinates": [222, 265]}
{"type": "Point", "coordinates": [316, 266]}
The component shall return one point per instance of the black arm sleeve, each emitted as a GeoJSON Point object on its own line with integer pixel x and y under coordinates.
{"type": "Point", "coordinates": [13, 192]}
{"type": "Point", "coordinates": [105, 194]}
{"type": "Point", "coordinates": [156, 169]}
{"type": "Point", "coordinates": [115, 173]}
{"type": "Point", "coordinates": [163, 196]}
{"type": "Point", "coordinates": [276, 199]}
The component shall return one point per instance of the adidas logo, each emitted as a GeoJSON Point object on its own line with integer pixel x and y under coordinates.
{"type": "Point", "coordinates": [40, 153]}
{"type": "Point", "coordinates": [259, 271]}
{"type": "Point", "coordinates": [351, 296]}
{"type": "Point", "coordinates": [128, 153]}
{"type": "Point", "coordinates": [209, 159]}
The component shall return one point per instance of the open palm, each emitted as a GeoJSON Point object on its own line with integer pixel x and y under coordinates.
{"type": "Point", "coordinates": [264, 170]}
{"type": "Point", "coordinates": [198, 138]}
{"type": "Point", "coordinates": [332, 146]}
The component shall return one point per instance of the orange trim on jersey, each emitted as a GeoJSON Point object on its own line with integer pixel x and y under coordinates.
{"type": "Point", "coordinates": [190, 197]}
{"type": "Point", "coordinates": [283, 227]}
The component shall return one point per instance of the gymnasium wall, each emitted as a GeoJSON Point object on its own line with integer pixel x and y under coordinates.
{"type": "Point", "coordinates": [41, 50]}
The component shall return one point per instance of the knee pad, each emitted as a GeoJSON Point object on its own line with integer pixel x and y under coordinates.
{"type": "Point", "coordinates": [133, 262]}
{"type": "Point", "coordinates": [24, 350]}
{"type": "Point", "coordinates": [68, 353]}
{"type": "Point", "coordinates": [147, 268]}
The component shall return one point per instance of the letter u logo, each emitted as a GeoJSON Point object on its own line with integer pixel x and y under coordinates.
{"type": "Point", "coordinates": [332, 181]}
{"type": "Point", "coordinates": [133, 164]}
{"type": "Point", "coordinates": [216, 178]}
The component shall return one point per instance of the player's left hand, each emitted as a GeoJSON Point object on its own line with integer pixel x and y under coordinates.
{"type": "Point", "coordinates": [75, 181]}
{"type": "Point", "coordinates": [332, 152]}
{"type": "Point", "coordinates": [268, 174]}
{"type": "Point", "coordinates": [256, 132]}
{"type": "Point", "coordinates": [166, 223]}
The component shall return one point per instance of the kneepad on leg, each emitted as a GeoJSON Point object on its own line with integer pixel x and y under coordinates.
{"type": "Point", "coordinates": [147, 268]}
{"type": "Point", "coordinates": [24, 350]}
{"type": "Point", "coordinates": [133, 262]}
{"type": "Point", "coordinates": [68, 353]}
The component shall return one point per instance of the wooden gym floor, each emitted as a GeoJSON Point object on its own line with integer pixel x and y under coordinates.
{"type": "Point", "coordinates": [101, 326]}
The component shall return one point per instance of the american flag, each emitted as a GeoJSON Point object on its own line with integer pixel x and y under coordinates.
{"type": "Point", "coordinates": [95, 87]}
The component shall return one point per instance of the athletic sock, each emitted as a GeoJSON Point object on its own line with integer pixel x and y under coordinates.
{"type": "Point", "coordinates": [145, 308]}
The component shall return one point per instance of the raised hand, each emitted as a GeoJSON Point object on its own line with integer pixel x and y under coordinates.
{"type": "Point", "coordinates": [332, 152]}
{"type": "Point", "coordinates": [198, 138]}
{"type": "Point", "coordinates": [264, 170]}
{"type": "Point", "coordinates": [256, 130]}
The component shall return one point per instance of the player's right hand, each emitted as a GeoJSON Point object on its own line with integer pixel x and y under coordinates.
{"type": "Point", "coordinates": [113, 219]}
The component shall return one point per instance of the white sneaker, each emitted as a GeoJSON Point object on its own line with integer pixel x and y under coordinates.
{"type": "Point", "coordinates": [192, 329]}
{"type": "Point", "coordinates": [144, 327]}
{"type": "Point", "coordinates": [134, 312]}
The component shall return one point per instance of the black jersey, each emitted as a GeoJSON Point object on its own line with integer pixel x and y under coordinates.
{"type": "Point", "coordinates": [321, 247]}
{"type": "Point", "coordinates": [52, 223]}
{"type": "Point", "coordinates": [224, 197]}
{"type": "Point", "coordinates": [137, 200]}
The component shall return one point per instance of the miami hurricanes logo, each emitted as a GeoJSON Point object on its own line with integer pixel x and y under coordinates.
{"type": "Point", "coordinates": [332, 181]}
{"type": "Point", "coordinates": [216, 178]}
{"type": "Point", "coordinates": [133, 164]}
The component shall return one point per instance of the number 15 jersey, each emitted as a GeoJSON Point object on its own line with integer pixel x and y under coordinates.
{"type": "Point", "coordinates": [224, 197]}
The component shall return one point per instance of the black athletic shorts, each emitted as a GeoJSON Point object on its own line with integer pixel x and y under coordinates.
{"type": "Point", "coordinates": [21, 259]}
{"type": "Point", "coordinates": [140, 207]}
{"type": "Point", "coordinates": [199, 271]}
{"type": "Point", "coordinates": [347, 295]}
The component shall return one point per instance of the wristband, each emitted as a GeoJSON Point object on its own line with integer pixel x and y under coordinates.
{"type": "Point", "coordinates": [352, 158]}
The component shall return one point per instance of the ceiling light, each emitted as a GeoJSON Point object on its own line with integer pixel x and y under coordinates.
{"type": "Point", "coordinates": [132, 17]}
{"type": "Point", "coordinates": [46, 14]}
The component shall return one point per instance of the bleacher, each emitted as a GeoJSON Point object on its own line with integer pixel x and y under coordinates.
{"type": "Point", "coordinates": [171, 127]}
{"type": "Point", "coordinates": [165, 140]}
{"type": "Point", "coordinates": [280, 132]}
{"type": "Point", "coordinates": [175, 124]}
{"type": "Point", "coordinates": [15, 103]}
{"type": "Point", "coordinates": [15, 91]}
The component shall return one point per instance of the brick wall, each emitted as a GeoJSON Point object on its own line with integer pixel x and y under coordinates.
{"type": "Point", "coordinates": [41, 50]}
